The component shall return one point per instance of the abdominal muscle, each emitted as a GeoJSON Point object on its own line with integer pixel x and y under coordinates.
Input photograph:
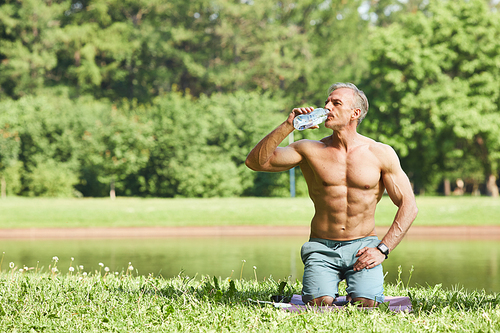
{"type": "Point", "coordinates": [343, 213]}
{"type": "Point", "coordinates": [345, 188]}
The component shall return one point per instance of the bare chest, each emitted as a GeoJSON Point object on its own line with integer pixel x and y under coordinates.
{"type": "Point", "coordinates": [356, 169]}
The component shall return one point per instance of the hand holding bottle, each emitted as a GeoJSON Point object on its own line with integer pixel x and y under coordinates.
{"type": "Point", "coordinates": [309, 117]}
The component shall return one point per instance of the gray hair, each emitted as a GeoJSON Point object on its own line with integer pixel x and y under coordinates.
{"type": "Point", "coordinates": [359, 102]}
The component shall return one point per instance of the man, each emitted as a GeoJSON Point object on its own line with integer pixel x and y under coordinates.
{"type": "Point", "coordinates": [346, 175]}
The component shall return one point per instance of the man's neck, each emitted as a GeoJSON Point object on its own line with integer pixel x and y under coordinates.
{"type": "Point", "coordinates": [345, 138]}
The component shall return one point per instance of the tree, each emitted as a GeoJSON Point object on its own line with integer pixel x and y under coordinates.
{"type": "Point", "coordinates": [29, 36]}
{"type": "Point", "coordinates": [47, 150]}
{"type": "Point", "coordinates": [434, 86]}
{"type": "Point", "coordinates": [116, 145]}
{"type": "Point", "coordinates": [143, 48]}
{"type": "Point", "coordinates": [293, 49]}
{"type": "Point", "coordinates": [200, 145]}
{"type": "Point", "coordinates": [384, 12]}
{"type": "Point", "coordinates": [9, 150]}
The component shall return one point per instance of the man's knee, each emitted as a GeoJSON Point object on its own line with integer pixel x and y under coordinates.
{"type": "Point", "coordinates": [322, 301]}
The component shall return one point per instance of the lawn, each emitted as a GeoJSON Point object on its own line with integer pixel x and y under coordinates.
{"type": "Point", "coordinates": [35, 299]}
{"type": "Point", "coordinates": [121, 302]}
{"type": "Point", "coordinates": [18, 212]}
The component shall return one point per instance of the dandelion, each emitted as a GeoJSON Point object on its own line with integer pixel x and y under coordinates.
{"type": "Point", "coordinates": [26, 268]}
{"type": "Point", "coordinates": [84, 274]}
{"type": "Point", "coordinates": [21, 270]}
{"type": "Point", "coordinates": [101, 265]}
{"type": "Point", "coordinates": [129, 268]}
{"type": "Point", "coordinates": [106, 269]}
{"type": "Point", "coordinates": [71, 269]}
{"type": "Point", "coordinates": [54, 270]}
{"type": "Point", "coordinates": [242, 265]}
{"type": "Point", "coordinates": [11, 265]}
{"type": "Point", "coordinates": [55, 258]}
{"type": "Point", "coordinates": [80, 267]}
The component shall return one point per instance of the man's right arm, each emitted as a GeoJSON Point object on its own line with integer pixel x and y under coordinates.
{"type": "Point", "coordinates": [267, 156]}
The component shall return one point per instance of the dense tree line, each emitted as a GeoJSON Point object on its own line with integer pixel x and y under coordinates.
{"type": "Point", "coordinates": [166, 98]}
{"type": "Point", "coordinates": [435, 88]}
{"type": "Point", "coordinates": [176, 145]}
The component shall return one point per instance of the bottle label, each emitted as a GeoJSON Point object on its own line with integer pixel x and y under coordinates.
{"type": "Point", "coordinates": [305, 121]}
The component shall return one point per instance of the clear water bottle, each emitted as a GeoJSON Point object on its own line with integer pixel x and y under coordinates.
{"type": "Point", "coordinates": [307, 120]}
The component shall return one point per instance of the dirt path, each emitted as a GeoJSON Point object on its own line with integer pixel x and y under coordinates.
{"type": "Point", "coordinates": [416, 232]}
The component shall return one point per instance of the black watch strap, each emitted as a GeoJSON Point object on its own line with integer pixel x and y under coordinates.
{"type": "Point", "coordinates": [384, 249]}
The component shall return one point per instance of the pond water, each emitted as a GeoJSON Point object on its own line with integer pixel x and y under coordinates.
{"type": "Point", "coordinates": [452, 263]}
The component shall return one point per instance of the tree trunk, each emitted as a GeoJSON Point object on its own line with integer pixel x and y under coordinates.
{"type": "Point", "coordinates": [447, 187]}
{"type": "Point", "coordinates": [475, 190]}
{"type": "Point", "coordinates": [112, 193]}
{"type": "Point", "coordinates": [491, 186]}
{"type": "Point", "coordinates": [3, 187]}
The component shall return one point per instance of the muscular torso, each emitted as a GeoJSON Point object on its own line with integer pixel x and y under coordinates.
{"type": "Point", "coordinates": [345, 187]}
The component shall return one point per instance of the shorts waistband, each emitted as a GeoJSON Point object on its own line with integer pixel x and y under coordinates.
{"type": "Point", "coordinates": [331, 243]}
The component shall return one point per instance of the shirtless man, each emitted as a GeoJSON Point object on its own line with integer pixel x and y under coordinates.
{"type": "Point", "coordinates": [346, 175]}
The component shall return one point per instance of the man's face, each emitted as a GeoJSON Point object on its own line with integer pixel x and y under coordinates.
{"type": "Point", "coordinates": [339, 102]}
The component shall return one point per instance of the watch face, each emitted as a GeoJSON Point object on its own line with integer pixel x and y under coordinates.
{"type": "Point", "coordinates": [383, 248]}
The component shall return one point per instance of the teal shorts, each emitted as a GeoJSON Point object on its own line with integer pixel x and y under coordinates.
{"type": "Point", "coordinates": [327, 262]}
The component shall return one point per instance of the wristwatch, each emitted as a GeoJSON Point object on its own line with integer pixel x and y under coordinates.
{"type": "Point", "coordinates": [384, 249]}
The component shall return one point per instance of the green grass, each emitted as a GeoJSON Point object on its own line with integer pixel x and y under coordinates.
{"type": "Point", "coordinates": [102, 302]}
{"type": "Point", "coordinates": [133, 212]}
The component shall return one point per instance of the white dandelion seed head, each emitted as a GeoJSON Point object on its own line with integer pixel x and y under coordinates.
{"type": "Point", "coordinates": [130, 267]}
{"type": "Point", "coordinates": [243, 260]}
{"type": "Point", "coordinates": [106, 269]}
{"type": "Point", "coordinates": [11, 264]}
{"type": "Point", "coordinates": [254, 267]}
{"type": "Point", "coordinates": [84, 274]}
{"type": "Point", "coordinates": [72, 259]}
{"type": "Point", "coordinates": [55, 258]}
{"type": "Point", "coordinates": [81, 266]}
{"type": "Point", "coordinates": [54, 269]}
{"type": "Point", "coordinates": [21, 270]}
{"type": "Point", "coordinates": [71, 269]}
{"type": "Point", "coordinates": [101, 264]}
{"type": "Point", "coordinates": [26, 268]}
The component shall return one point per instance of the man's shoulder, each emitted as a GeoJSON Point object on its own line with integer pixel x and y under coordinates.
{"type": "Point", "coordinates": [384, 153]}
{"type": "Point", "coordinates": [379, 147]}
{"type": "Point", "coordinates": [307, 147]}
{"type": "Point", "coordinates": [310, 143]}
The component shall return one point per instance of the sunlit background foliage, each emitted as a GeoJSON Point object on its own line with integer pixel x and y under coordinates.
{"type": "Point", "coordinates": [166, 98]}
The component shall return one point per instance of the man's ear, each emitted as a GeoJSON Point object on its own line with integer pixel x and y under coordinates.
{"type": "Point", "coordinates": [356, 114]}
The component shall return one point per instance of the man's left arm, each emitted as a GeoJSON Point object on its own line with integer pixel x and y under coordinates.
{"type": "Point", "coordinates": [399, 190]}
